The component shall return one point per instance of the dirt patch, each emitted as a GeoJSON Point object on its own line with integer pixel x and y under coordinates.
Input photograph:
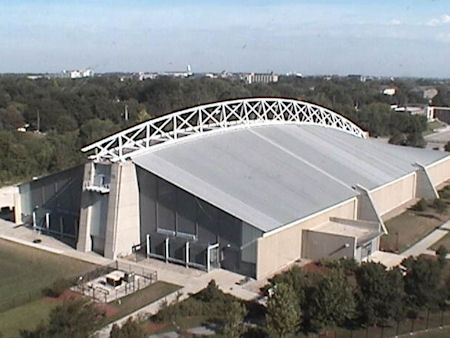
{"type": "Point", "coordinates": [154, 327]}
{"type": "Point", "coordinates": [66, 295]}
{"type": "Point", "coordinates": [109, 310]}
{"type": "Point", "coordinates": [314, 267]}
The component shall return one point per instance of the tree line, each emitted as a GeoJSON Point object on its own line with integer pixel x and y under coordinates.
{"type": "Point", "coordinates": [349, 295]}
{"type": "Point", "coordinates": [62, 115]}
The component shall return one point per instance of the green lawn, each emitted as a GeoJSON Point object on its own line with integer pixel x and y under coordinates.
{"type": "Point", "coordinates": [436, 333]}
{"type": "Point", "coordinates": [411, 226]}
{"type": "Point", "coordinates": [139, 299]}
{"type": "Point", "coordinates": [444, 241]}
{"type": "Point", "coordinates": [27, 316]}
{"type": "Point", "coordinates": [431, 126]}
{"type": "Point", "coordinates": [25, 271]}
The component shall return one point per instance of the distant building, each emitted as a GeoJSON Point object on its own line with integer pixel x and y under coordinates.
{"type": "Point", "coordinates": [390, 91]}
{"type": "Point", "coordinates": [429, 93]}
{"type": "Point", "coordinates": [357, 77]}
{"type": "Point", "coordinates": [416, 109]}
{"type": "Point", "coordinates": [78, 74]}
{"type": "Point", "coordinates": [181, 73]}
{"type": "Point", "coordinates": [260, 78]}
{"type": "Point", "coordinates": [440, 113]}
{"type": "Point", "coordinates": [144, 76]}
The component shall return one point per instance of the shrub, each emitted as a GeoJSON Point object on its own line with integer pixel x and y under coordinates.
{"type": "Point", "coordinates": [58, 287]}
{"type": "Point", "coordinates": [422, 205]}
{"type": "Point", "coordinates": [442, 252]}
{"type": "Point", "coordinates": [440, 205]}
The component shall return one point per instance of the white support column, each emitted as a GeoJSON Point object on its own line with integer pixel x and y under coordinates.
{"type": "Point", "coordinates": [34, 219]}
{"type": "Point", "coordinates": [208, 259]}
{"type": "Point", "coordinates": [47, 221]}
{"type": "Point", "coordinates": [166, 251]}
{"type": "Point", "coordinates": [148, 245]}
{"type": "Point", "coordinates": [187, 254]}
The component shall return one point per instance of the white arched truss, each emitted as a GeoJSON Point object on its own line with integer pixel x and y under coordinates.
{"type": "Point", "coordinates": [206, 118]}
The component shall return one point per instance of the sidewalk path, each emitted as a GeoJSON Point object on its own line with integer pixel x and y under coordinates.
{"type": "Point", "coordinates": [421, 247]}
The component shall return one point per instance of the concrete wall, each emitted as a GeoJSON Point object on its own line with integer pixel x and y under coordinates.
{"type": "Point", "coordinates": [7, 196]}
{"type": "Point", "coordinates": [391, 196]}
{"type": "Point", "coordinates": [84, 242]}
{"type": "Point", "coordinates": [440, 171]}
{"type": "Point", "coordinates": [122, 229]}
{"type": "Point", "coordinates": [318, 245]}
{"type": "Point", "coordinates": [280, 248]}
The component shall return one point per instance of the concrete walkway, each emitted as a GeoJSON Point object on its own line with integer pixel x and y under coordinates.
{"type": "Point", "coordinates": [25, 236]}
{"type": "Point", "coordinates": [192, 281]}
{"type": "Point", "coordinates": [421, 247]}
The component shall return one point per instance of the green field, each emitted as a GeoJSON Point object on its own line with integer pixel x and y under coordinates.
{"type": "Point", "coordinates": [445, 241]}
{"type": "Point", "coordinates": [25, 271]}
{"type": "Point", "coordinates": [139, 299]}
{"type": "Point", "coordinates": [409, 227]}
{"type": "Point", "coordinates": [24, 317]}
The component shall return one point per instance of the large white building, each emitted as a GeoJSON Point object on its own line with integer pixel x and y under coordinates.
{"type": "Point", "coordinates": [248, 185]}
{"type": "Point", "coordinates": [260, 78]}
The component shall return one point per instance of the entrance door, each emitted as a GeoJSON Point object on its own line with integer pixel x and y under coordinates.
{"type": "Point", "coordinates": [212, 257]}
{"type": "Point", "coordinates": [366, 250]}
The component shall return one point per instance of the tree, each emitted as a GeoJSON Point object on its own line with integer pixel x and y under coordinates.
{"type": "Point", "coordinates": [329, 301]}
{"type": "Point", "coordinates": [398, 139]}
{"type": "Point", "coordinates": [131, 329]}
{"type": "Point", "coordinates": [447, 146]}
{"type": "Point", "coordinates": [422, 281]}
{"type": "Point", "coordinates": [380, 293]}
{"type": "Point", "coordinates": [439, 205]}
{"type": "Point", "coordinates": [234, 320]}
{"type": "Point", "coordinates": [74, 318]}
{"type": "Point", "coordinates": [283, 315]}
{"type": "Point", "coordinates": [416, 139]}
{"type": "Point", "coordinates": [296, 278]}
{"type": "Point", "coordinates": [442, 252]}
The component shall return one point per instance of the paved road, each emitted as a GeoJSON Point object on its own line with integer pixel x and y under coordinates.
{"type": "Point", "coordinates": [441, 135]}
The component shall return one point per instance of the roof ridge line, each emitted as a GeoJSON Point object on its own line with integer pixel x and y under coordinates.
{"type": "Point", "coordinates": [300, 159]}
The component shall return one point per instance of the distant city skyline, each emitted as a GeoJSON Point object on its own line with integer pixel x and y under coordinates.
{"type": "Point", "coordinates": [382, 38]}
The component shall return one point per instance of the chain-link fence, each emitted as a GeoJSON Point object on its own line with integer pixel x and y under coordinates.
{"type": "Point", "coordinates": [426, 320]}
{"type": "Point", "coordinates": [132, 278]}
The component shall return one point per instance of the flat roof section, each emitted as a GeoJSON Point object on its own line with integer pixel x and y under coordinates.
{"type": "Point", "coordinates": [273, 175]}
{"type": "Point", "coordinates": [361, 233]}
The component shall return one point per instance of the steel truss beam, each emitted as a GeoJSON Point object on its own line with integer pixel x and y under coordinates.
{"type": "Point", "coordinates": [212, 117]}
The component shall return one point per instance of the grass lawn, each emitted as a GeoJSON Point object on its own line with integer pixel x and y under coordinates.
{"type": "Point", "coordinates": [139, 299]}
{"type": "Point", "coordinates": [436, 333]}
{"type": "Point", "coordinates": [445, 241]}
{"type": "Point", "coordinates": [27, 316]}
{"type": "Point", "coordinates": [411, 226]}
{"type": "Point", "coordinates": [26, 271]}
{"type": "Point", "coordinates": [431, 126]}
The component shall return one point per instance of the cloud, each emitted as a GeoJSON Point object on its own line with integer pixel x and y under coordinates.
{"type": "Point", "coordinates": [395, 22]}
{"type": "Point", "coordinates": [442, 20]}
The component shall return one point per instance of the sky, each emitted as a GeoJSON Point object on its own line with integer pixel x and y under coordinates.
{"type": "Point", "coordinates": [371, 37]}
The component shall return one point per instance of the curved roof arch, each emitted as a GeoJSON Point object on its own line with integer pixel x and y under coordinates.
{"type": "Point", "coordinates": [218, 116]}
